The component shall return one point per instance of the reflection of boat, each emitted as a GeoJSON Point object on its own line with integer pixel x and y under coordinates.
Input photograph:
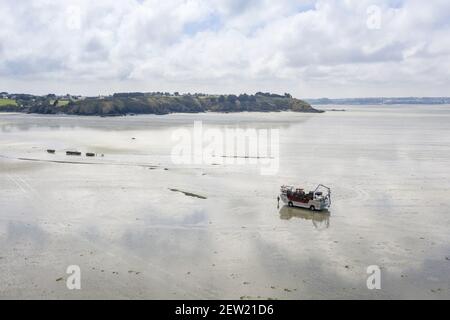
{"type": "Point", "coordinates": [320, 220]}
{"type": "Point", "coordinates": [319, 199]}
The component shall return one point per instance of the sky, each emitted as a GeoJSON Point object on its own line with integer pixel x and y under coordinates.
{"type": "Point", "coordinates": [311, 49]}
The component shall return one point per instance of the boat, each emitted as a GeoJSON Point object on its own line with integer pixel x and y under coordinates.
{"type": "Point", "coordinates": [319, 199]}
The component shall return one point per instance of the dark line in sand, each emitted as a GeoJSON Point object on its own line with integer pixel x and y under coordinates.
{"type": "Point", "coordinates": [92, 163]}
{"type": "Point", "coordinates": [244, 157]}
{"type": "Point", "coordinates": [189, 194]}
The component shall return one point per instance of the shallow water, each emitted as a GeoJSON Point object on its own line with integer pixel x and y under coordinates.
{"type": "Point", "coordinates": [116, 217]}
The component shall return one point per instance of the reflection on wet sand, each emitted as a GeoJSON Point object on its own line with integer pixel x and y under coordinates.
{"type": "Point", "coordinates": [25, 122]}
{"type": "Point", "coordinates": [320, 220]}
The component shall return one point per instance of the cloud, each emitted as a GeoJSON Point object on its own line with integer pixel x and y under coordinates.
{"type": "Point", "coordinates": [309, 48]}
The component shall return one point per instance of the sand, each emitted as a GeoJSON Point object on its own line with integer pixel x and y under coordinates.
{"type": "Point", "coordinates": [116, 217]}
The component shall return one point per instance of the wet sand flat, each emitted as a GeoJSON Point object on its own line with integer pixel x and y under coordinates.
{"type": "Point", "coordinates": [119, 218]}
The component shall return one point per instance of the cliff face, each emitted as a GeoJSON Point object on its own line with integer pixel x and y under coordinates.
{"type": "Point", "coordinates": [143, 103]}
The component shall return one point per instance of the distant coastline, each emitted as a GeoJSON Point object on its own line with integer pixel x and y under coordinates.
{"type": "Point", "coordinates": [388, 101]}
{"type": "Point", "coordinates": [151, 103]}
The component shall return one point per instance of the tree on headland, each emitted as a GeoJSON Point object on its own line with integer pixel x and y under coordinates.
{"type": "Point", "coordinates": [232, 98]}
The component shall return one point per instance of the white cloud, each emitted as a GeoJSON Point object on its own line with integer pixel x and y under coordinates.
{"type": "Point", "coordinates": [309, 48]}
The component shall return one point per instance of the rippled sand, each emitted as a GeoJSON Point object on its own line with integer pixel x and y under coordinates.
{"type": "Point", "coordinates": [133, 237]}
